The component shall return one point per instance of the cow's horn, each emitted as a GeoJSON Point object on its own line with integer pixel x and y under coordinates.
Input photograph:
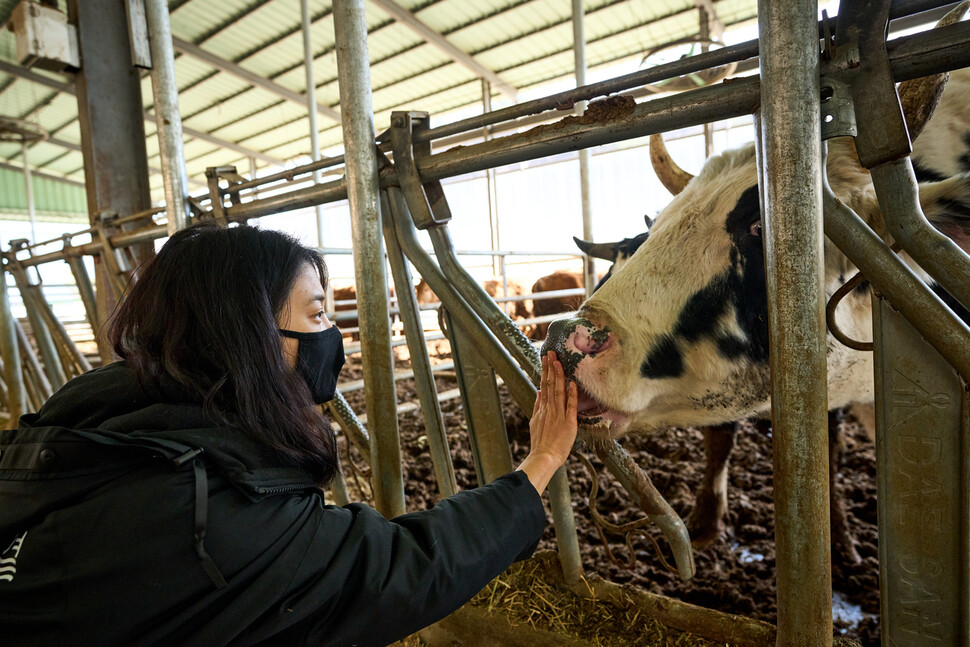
{"type": "Point", "coordinates": [671, 176]}
{"type": "Point", "coordinates": [919, 97]}
{"type": "Point", "coordinates": [605, 251]}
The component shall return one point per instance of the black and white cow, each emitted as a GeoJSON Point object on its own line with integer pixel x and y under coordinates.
{"type": "Point", "coordinates": [679, 335]}
{"type": "Point", "coordinates": [706, 521]}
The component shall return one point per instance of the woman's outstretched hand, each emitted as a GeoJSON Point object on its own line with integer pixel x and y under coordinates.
{"type": "Point", "coordinates": [553, 424]}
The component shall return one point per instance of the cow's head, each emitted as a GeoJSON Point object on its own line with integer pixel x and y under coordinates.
{"type": "Point", "coordinates": [679, 335]}
{"type": "Point", "coordinates": [617, 253]}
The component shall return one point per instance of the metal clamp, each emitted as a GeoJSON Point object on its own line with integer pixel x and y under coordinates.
{"type": "Point", "coordinates": [426, 201]}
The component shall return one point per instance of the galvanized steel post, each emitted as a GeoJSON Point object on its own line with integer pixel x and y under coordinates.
{"type": "Point", "coordinates": [790, 159]}
{"type": "Point", "coordinates": [13, 374]}
{"type": "Point", "coordinates": [350, 28]}
{"type": "Point", "coordinates": [579, 54]}
{"type": "Point", "coordinates": [29, 185]}
{"type": "Point", "coordinates": [168, 119]}
{"type": "Point", "coordinates": [311, 99]}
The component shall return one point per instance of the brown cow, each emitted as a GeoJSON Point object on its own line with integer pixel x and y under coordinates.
{"type": "Point", "coordinates": [559, 280]}
{"type": "Point", "coordinates": [515, 309]}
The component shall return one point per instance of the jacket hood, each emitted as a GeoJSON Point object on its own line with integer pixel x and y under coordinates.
{"type": "Point", "coordinates": [112, 400]}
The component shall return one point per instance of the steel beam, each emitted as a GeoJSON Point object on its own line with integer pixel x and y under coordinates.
{"type": "Point", "coordinates": [350, 27]}
{"type": "Point", "coordinates": [110, 112]}
{"type": "Point", "coordinates": [579, 54]}
{"type": "Point", "coordinates": [791, 200]}
{"type": "Point", "coordinates": [169, 129]}
{"type": "Point", "coordinates": [252, 78]}
{"type": "Point", "coordinates": [67, 88]}
{"type": "Point", "coordinates": [459, 56]}
{"type": "Point", "coordinates": [311, 100]}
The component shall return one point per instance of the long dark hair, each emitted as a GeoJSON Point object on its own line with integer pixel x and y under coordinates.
{"type": "Point", "coordinates": [204, 312]}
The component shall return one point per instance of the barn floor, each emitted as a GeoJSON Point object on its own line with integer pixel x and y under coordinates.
{"type": "Point", "coordinates": [734, 575]}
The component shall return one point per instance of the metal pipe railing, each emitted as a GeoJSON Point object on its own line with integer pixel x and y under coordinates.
{"type": "Point", "coordinates": [9, 347]}
{"type": "Point", "coordinates": [353, 71]}
{"type": "Point", "coordinates": [790, 183]}
{"type": "Point", "coordinates": [895, 280]}
{"type": "Point", "coordinates": [420, 361]}
{"type": "Point", "coordinates": [896, 188]}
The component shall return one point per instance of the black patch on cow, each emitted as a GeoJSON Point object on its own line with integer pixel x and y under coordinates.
{"type": "Point", "coordinates": [746, 287]}
{"type": "Point", "coordinates": [741, 287]}
{"type": "Point", "coordinates": [703, 309]}
{"type": "Point", "coordinates": [732, 347]}
{"type": "Point", "coordinates": [965, 158]}
{"type": "Point", "coordinates": [951, 213]}
{"type": "Point", "coordinates": [663, 360]}
{"type": "Point", "coordinates": [924, 174]}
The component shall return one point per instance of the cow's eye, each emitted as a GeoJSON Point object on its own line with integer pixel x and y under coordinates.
{"type": "Point", "coordinates": [755, 228]}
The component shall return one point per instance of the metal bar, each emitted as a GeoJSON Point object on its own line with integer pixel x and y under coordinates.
{"type": "Point", "coordinates": [36, 378]}
{"type": "Point", "coordinates": [31, 211]}
{"type": "Point", "coordinates": [481, 404]}
{"type": "Point", "coordinates": [921, 498]}
{"type": "Point", "coordinates": [638, 484]}
{"type": "Point", "coordinates": [520, 385]}
{"type": "Point", "coordinates": [911, 57]}
{"type": "Point", "coordinates": [497, 320]}
{"type": "Point", "coordinates": [46, 176]}
{"type": "Point", "coordinates": [252, 78]}
{"type": "Point", "coordinates": [289, 174]}
{"type": "Point", "coordinates": [492, 190]}
{"type": "Point", "coordinates": [13, 374]}
{"type": "Point", "coordinates": [897, 282]}
{"type": "Point", "coordinates": [898, 195]}
{"type": "Point", "coordinates": [723, 56]}
{"type": "Point", "coordinates": [85, 289]}
{"type": "Point", "coordinates": [461, 57]}
{"type": "Point", "coordinates": [110, 110]}
{"type": "Point", "coordinates": [197, 134]}
{"type": "Point", "coordinates": [222, 143]}
{"type": "Point", "coordinates": [311, 100]}
{"type": "Point", "coordinates": [350, 425]}
{"type": "Point", "coordinates": [350, 28]}
{"type": "Point", "coordinates": [579, 54]}
{"type": "Point", "coordinates": [42, 334]}
{"type": "Point", "coordinates": [169, 127]}
{"type": "Point", "coordinates": [789, 160]}
{"type": "Point", "coordinates": [420, 361]}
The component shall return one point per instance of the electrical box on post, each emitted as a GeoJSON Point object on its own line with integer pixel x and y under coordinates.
{"type": "Point", "coordinates": [44, 37]}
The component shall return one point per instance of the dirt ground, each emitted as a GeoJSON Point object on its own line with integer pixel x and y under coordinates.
{"type": "Point", "coordinates": [735, 574]}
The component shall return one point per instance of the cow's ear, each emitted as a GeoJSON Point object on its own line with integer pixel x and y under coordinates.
{"type": "Point", "coordinates": [946, 205]}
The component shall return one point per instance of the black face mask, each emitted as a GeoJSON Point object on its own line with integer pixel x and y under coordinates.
{"type": "Point", "coordinates": [319, 359]}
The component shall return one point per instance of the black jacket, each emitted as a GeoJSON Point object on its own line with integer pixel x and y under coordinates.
{"type": "Point", "coordinates": [116, 530]}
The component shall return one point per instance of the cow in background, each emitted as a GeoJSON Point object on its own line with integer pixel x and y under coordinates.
{"type": "Point", "coordinates": [679, 336]}
{"type": "Point", "coordinates": [348, 295]}
{"type": "Point", "coordinates": [617, 253]}
{"type": "Point", "coordinates": [560, 280]}
{"type": "Point", "coordinates": [517, 310]}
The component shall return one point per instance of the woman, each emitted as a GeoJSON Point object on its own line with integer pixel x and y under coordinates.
{"type": "Point", "coordinates": [172, 498]}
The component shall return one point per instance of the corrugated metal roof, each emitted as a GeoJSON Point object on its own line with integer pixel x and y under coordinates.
{"type": "Point", "coordinates": [528, 43]}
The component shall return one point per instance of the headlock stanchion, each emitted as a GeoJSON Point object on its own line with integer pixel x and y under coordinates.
{"type": "Point", "coordinates": [444, 468]}
{"type": "Point", "coordinates": [922, 364]}
{"type": "Point", "coordinates": [32, 297]}
{"type": "Point", "coordinates": [10, 348]}
{"type": "Point", "coordinates": [923, 409]}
